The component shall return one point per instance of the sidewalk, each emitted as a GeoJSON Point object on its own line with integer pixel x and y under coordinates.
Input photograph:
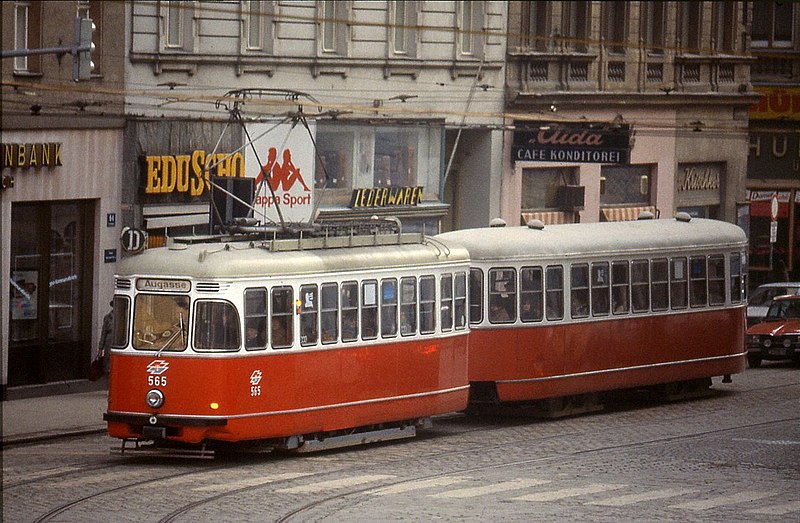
{"type": "Point", "coordinates": [33, 419]}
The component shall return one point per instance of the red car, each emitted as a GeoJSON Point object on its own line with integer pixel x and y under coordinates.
{"type": "Point", "coordinates": [777, 337]}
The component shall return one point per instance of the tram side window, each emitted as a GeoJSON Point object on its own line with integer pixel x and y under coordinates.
{"type": "Point", "coordinates": [640, 286]}
{"type": "Point", "coordinates": [119, 329]}
{"type": "Point", "coordinates": [502, 295]}
{"type": "Point", "coordinates": [716, 279]}
{"type": "Point", "coordinates": [475, 296]}
{"type": "Point", "coordinates": [659, 284]}
{"type": "Point", "coordinates": [216, 326]}
{"type": "Point", "coordinates": [427, 304]}
{"type": "Point", "coordinates": [600, 289]}
{"type": "Point", "coordinates": [620, 288]}
{"type": "Point", "coordinates": [698, 290]}
{"type": "Point", "coordinates": [369, 310]}
{"type": "Point", "coordinates": [161, 322]}
{"type": "Point", "coordinates": [389, 308]}
{"type": "Point", "coordinates": [736, 277]}
{"type": "Point", "coordinates": [446, 304]}
{"type": "Point", "coordinates": [309, 313]}
{"type": "Point", "coordinates": [408, 306]}
{"type": "Point", "coordinates": [349, 311]}
{"type": "Point", "coordinates": [460, 296]}
{"type": "Point", "coordinates": [255, 318]}
{"type": "Point", "coordinates": [329, 312]}
{"type": "Point", "coordinates": [678, 282]}
{"type": "Point", "coordinates": [579, 285]}
{"type": "Point", "coordinates": [282, 314]}
{"type": "Point", "coordinates": [531, 294]}
{"type": "Point", "coordinates": [554, 293]}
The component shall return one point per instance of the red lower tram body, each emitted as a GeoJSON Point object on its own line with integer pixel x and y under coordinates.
{"type": "Point", "coordinates": [263, 397]}
{"type": "Point", "coordinates": [537, 362]}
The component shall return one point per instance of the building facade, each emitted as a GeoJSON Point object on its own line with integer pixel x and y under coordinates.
{"type": "Point", "coordinates": [773, 167]}
{"type": "Point", "coordinates": [59, 205]}
{"type": "Point", "coordinates": [666, 83]}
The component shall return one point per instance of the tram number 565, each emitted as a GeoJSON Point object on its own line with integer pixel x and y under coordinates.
{"type": "Point", "coordinates": [255, 380]}
{"type": "Point", "coordinates": [157, 381]}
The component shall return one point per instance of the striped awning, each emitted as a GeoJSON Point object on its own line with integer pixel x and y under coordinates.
{"type": "Point", "coordinates": [548, 217]}
{"type": "Point", "coordinates": [624, 214]}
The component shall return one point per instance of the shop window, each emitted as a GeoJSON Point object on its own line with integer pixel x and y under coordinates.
{"type": "Point", "coordinates": [554, 293]}
{"type": "Point", "coordinates": [309, 312]}
{"type": "Point", "coordinates": [255, 318]}
{"type": "Point", "coordinates": [395, 159]}
{"type": "Point", "coordinates": [540, 186]}
{"type": "Point", "coordinates": [329, 312]}
{"type": "Point", "coordinates": [625, 185]}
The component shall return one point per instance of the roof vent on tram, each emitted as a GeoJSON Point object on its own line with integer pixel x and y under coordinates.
{"type": "Point", "coordinates": [683, 217]}
{"type": "Point", "coordinates": [497, 222]}
{"type": "Point", "coordinates": [535, 224]}
{"type": "Point", "coordinates": [646, 215]}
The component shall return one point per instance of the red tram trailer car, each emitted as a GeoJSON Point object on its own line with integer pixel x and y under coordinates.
{"type": "Point", "coordinates": [297, 343]}
{"type": "Point", "coordinates": [567, 311]}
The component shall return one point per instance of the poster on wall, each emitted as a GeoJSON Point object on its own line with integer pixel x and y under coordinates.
{"type": "Point", "coordinates": [24, 294]}
{"type": "Point", "coordinates": [283, 170]}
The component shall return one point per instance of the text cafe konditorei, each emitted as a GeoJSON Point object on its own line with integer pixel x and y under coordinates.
{"type": "Point", "coordinates": [580, 142]}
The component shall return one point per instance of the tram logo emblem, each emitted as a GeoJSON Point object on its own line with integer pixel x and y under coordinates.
{"type": "Point", "coordinates": [255, 377]}
{"type": "Point", "coordinates": [157, 367]}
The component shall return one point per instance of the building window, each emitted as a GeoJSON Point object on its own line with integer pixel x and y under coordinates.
{"type": "Point", "coordinates": [772, 24]}
{"type": "Point", "coordinates": [178, 25]}
{"type": "Point", "coordinates": [614, 30]}
{"type": "Point", "coordinates": [535, 25]}
{"type": "Point", "coordinates": [333, 27]}
{"type": "Point", "coordinates": [470, 29]}
{"type": "Point", "coordinates": [653, 26]}
{"type": "Point", "coordinates": [575, 25]}
{"type": "Point", "coordinates": [725, 26]}
{"type": "Point", "coordinates": [689, 26]}
{"type": "Point", "coordinates": [27, 35]}
{"type": "Point", "coordinates": [540, 186]}
{"type": "Point", "coordinates": [354, 156]}
{"type": "Point", "coordinates": [257, 24]}
{"type": "Point", "coordinates": [628, 185]}
{"type": "Point", "coordinates": [403, 31]}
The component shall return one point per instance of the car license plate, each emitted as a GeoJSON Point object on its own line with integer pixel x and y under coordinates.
{"type": "Point", "coordinates": [776, 352]}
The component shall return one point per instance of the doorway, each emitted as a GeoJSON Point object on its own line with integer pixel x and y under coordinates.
{"type": "Point", "coordinates": [51, 289]}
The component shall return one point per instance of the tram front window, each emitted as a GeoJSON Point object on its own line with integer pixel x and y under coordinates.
{"type": "Point", "coordinates": [160, 322]}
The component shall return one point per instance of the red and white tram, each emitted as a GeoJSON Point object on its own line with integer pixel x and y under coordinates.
{"type": "Point", "coordinates": [571, 310]}
{"type": "Point", "coordinates": [287, 341]}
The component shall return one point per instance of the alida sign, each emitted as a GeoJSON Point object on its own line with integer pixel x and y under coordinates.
{"type": "Point", "coordinates": [283, 172]}
{"type": "Point", "coordinates": [572, 142]}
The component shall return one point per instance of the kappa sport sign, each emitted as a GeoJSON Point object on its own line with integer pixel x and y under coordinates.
{"type": "Point", "coordinates": [283, 172]}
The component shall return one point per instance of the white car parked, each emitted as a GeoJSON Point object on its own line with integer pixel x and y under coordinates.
{"type": "Point", "coordinates": [761, 298]}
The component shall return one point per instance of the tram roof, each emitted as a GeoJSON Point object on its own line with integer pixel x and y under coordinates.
{"type": "Point", "coordinates": [243, 259]}
{"type": "Point", "coordinates": [606, 238]}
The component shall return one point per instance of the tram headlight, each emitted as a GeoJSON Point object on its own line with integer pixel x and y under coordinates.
{"type": "Point", "coordinates": [154, 398]}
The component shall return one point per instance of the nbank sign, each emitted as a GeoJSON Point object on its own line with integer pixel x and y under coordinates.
{"type": "Point", "coordinates": [578, 142]}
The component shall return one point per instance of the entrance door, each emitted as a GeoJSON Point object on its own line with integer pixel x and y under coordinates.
{"type": "Point", "coordinates": [51, 282]}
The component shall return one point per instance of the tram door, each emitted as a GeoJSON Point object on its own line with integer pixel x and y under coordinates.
{"type": "Point", "coordinates": [51, 275]}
